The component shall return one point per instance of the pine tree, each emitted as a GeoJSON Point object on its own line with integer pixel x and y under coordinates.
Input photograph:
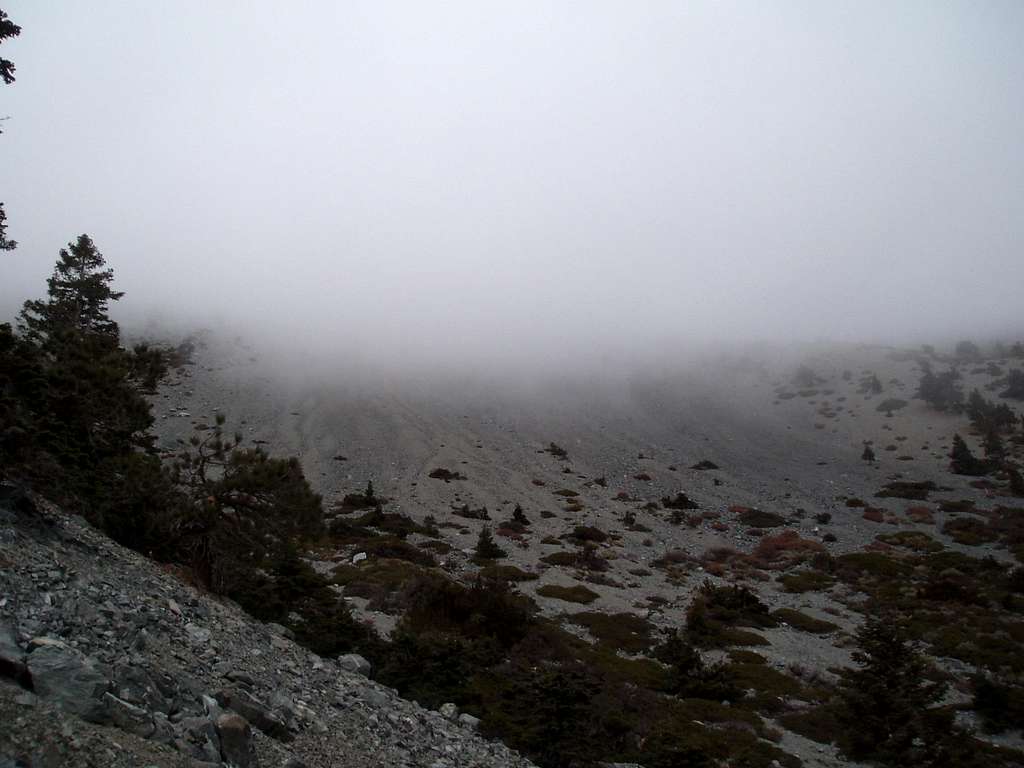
{"type": "Point", "coordinates": [963, 462]}
{"type": "Point", "coordinates": [8, 29]}
{"type": "Point", "coordinates": [886, 704]}
{"type": "Point", "coordinates": [486, 549]}
{"type": "Point", "coordinates": [868, 454]}
{"type": "Point", "coordinates": [5, 243]}
{"type": "Point", "coordinates": [79, 294]}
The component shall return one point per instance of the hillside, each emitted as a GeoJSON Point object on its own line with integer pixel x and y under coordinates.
{"type": "Point", "coordinates": [619, 506]}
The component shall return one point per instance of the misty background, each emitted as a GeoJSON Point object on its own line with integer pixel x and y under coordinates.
{"type": "Point", "coordinates": [529, 183]}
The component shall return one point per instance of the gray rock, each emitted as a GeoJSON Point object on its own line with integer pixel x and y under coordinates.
{"type": "Point", "coordinates": [240, 677]}
{"type": "Point", "coordinates": [128, 717]}
{"type": "Point", "coordinates": [255, 711]}
{"type": "Point", "coordinates": [12, 657]}
{"type": "Point", "coordinates": [449, 711]}
{"type": "Point", "coordinates": [236, 743]}
{"type": "Point", "coordinates": [280, 631]}
{"type": "Point", "coordinates": [69, 679]}
{"type": "Point", "coordinates": [353, 662]}
{"type": "Point", "coordinates": [375, 697]}
{"type": "Point", "coordinates": [198, 635]}
{"type": "Point", "coordinates": [469, 721]}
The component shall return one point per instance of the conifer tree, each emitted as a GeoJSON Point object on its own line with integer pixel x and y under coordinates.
{"type": "Point", "coordinates": [486, 549]}
{"type": "Point", "coordinates": [79, 294]}
{"type": "Point", "coordinates": [887, 702]}
{"type": "Point", "coordinates": [8, 29]}
{"type": "Point", "coordinates": [963, 462]}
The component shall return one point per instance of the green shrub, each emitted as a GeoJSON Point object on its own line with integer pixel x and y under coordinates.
{"type": "Point", "coordinates": [803, 622]}
{"type": "Point", "coordinates": [621, 631]}
{"type": "Point", "coordinates": [574, 594]}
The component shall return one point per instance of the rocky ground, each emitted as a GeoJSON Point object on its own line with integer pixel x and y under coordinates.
{"type": "Point", "coordinates": [735, 435]}
{"type": "Point", "coordinates": [110, 660]}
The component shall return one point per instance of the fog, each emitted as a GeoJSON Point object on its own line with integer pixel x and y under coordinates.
{"type": "Point", "coordinates": [530, 184]}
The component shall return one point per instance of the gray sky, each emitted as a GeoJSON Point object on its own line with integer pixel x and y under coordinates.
{"type": "Point", "coordinates": [526, 180]}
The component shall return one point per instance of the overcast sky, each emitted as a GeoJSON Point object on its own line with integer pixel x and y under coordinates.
{"type": "Point", "coordinates": [406, 180]}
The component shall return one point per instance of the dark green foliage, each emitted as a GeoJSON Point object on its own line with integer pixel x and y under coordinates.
{"type": "Point", "coordinates": [8, 29]}
{"type": "Point", "coordinates": [690, 677]}
{"type": "Point", "coordinates": [585, 557]}
{"type": "Point", "coordinates": [396, 549]}
{"type": "Point", "coordinates": [68, 405]}
{"type": "Point", "coordinates": [551, 713]}
{"type": "Point", "coordinates": [891, 404]}
{"type": "Point", "coordinates": [906, 489]}
{"type": "Point", "coordinates": [715, 610]}
{"type": "Point", "coordinates": [557, 451]}
{"type": "Point", "coordinates": [148, 366]}
{"type": "Point", "coordinates": [681, 501]}
{"type": "Point", "coordinates": [755, 518]}
{"type": "Point", "coordinates": [870, 384]}
{"type": "Point", "coordinates": [585, 533]}
{"type": "Point", "coordinates": [242, 506]}
{"type": "Point", "coordinates": [288, 591]}
{"type": "Point", "coordinates": [575, 594]}
{"type": "Point", "coordinates": [621, 631]}
{"type": "Point", "coordinates": [519, 516]}
{"type": "Point", "coordinates": [486, 549]}
{"type": "Point", "coordinates": [433, 668]}
{"type": "Point", "coordinates": [868, 454]}
{"type": "Point", "coordinates": [986, 416]}
{"type": "Point", "coordinates": [888, 703]}
{"type": "Point", "coordinates": [803, 622]}
{"type": "Point", "coordinates": [967, 351]}
{"type": "Point", "coordinates": [1014, 385]}
{"type": "Point", "coordinates": [999, 703]}
{"type": "Point", "coordinates": [963, 462]}
{"type": "Point", "coordinates": [940, 390]}
{"type": "Point", "coordinates": [79, 293]}
{"type": "Point", "coordinates": [6, 244]}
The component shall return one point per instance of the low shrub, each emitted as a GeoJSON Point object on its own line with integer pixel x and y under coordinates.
{"type": "Point", "coordinates": [574, 594]}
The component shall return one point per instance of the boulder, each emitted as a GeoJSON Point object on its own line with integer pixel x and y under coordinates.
{"type": "Point", "coordinates": [12, 657]}
{"type": "Point", "coordinates": [128, 717]}
{"type": "Point", "coordinates": [255, 711]}
{"type": "Point", "coordinates": [449, 711]}
{"type": "Point", "coordinates": [353, 662]}
{"type": "Point", "coordinates": [69, 679]}
{"type": "Point", "coordinates": [236, 742]}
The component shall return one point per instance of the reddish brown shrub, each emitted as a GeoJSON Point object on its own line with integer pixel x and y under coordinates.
{"type": "Point", "coordinates": [874, 514]}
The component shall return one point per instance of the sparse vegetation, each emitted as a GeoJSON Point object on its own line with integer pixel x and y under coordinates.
{"type": "Point", "coordinates": [574, 594]}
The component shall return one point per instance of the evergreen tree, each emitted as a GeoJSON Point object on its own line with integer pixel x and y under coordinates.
{"type": "Point", "coordinates": [868, 454]}
{"type": "Point", "coordinates": [519, 516]}
{"type": "Point", "coordinates": [963, 462]}
{"type": "Point", "coordinates": [68, 386]}
{"type": "Point", "coordinates": [1014, 385]}
{"type": "Point", "coordinates": [8, 29]}
{"type": "Point", "coordinates": [939, 390]}
{"type": "Point", "coordinates": [242, 507]}
{"type": "Point", "coordinates": [5, 243]}
{"type": "Point", "coordinates": [887, 703]}
{"type": "Point", "coordinates": [486, 548]}
{"type": "Point", "coordinates": [79, 294]}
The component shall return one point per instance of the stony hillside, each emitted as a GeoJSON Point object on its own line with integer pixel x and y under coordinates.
{"type": "Point", "coordinates": [108, 659]}
{"type": "Point", "coordinates": [618, 505]}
